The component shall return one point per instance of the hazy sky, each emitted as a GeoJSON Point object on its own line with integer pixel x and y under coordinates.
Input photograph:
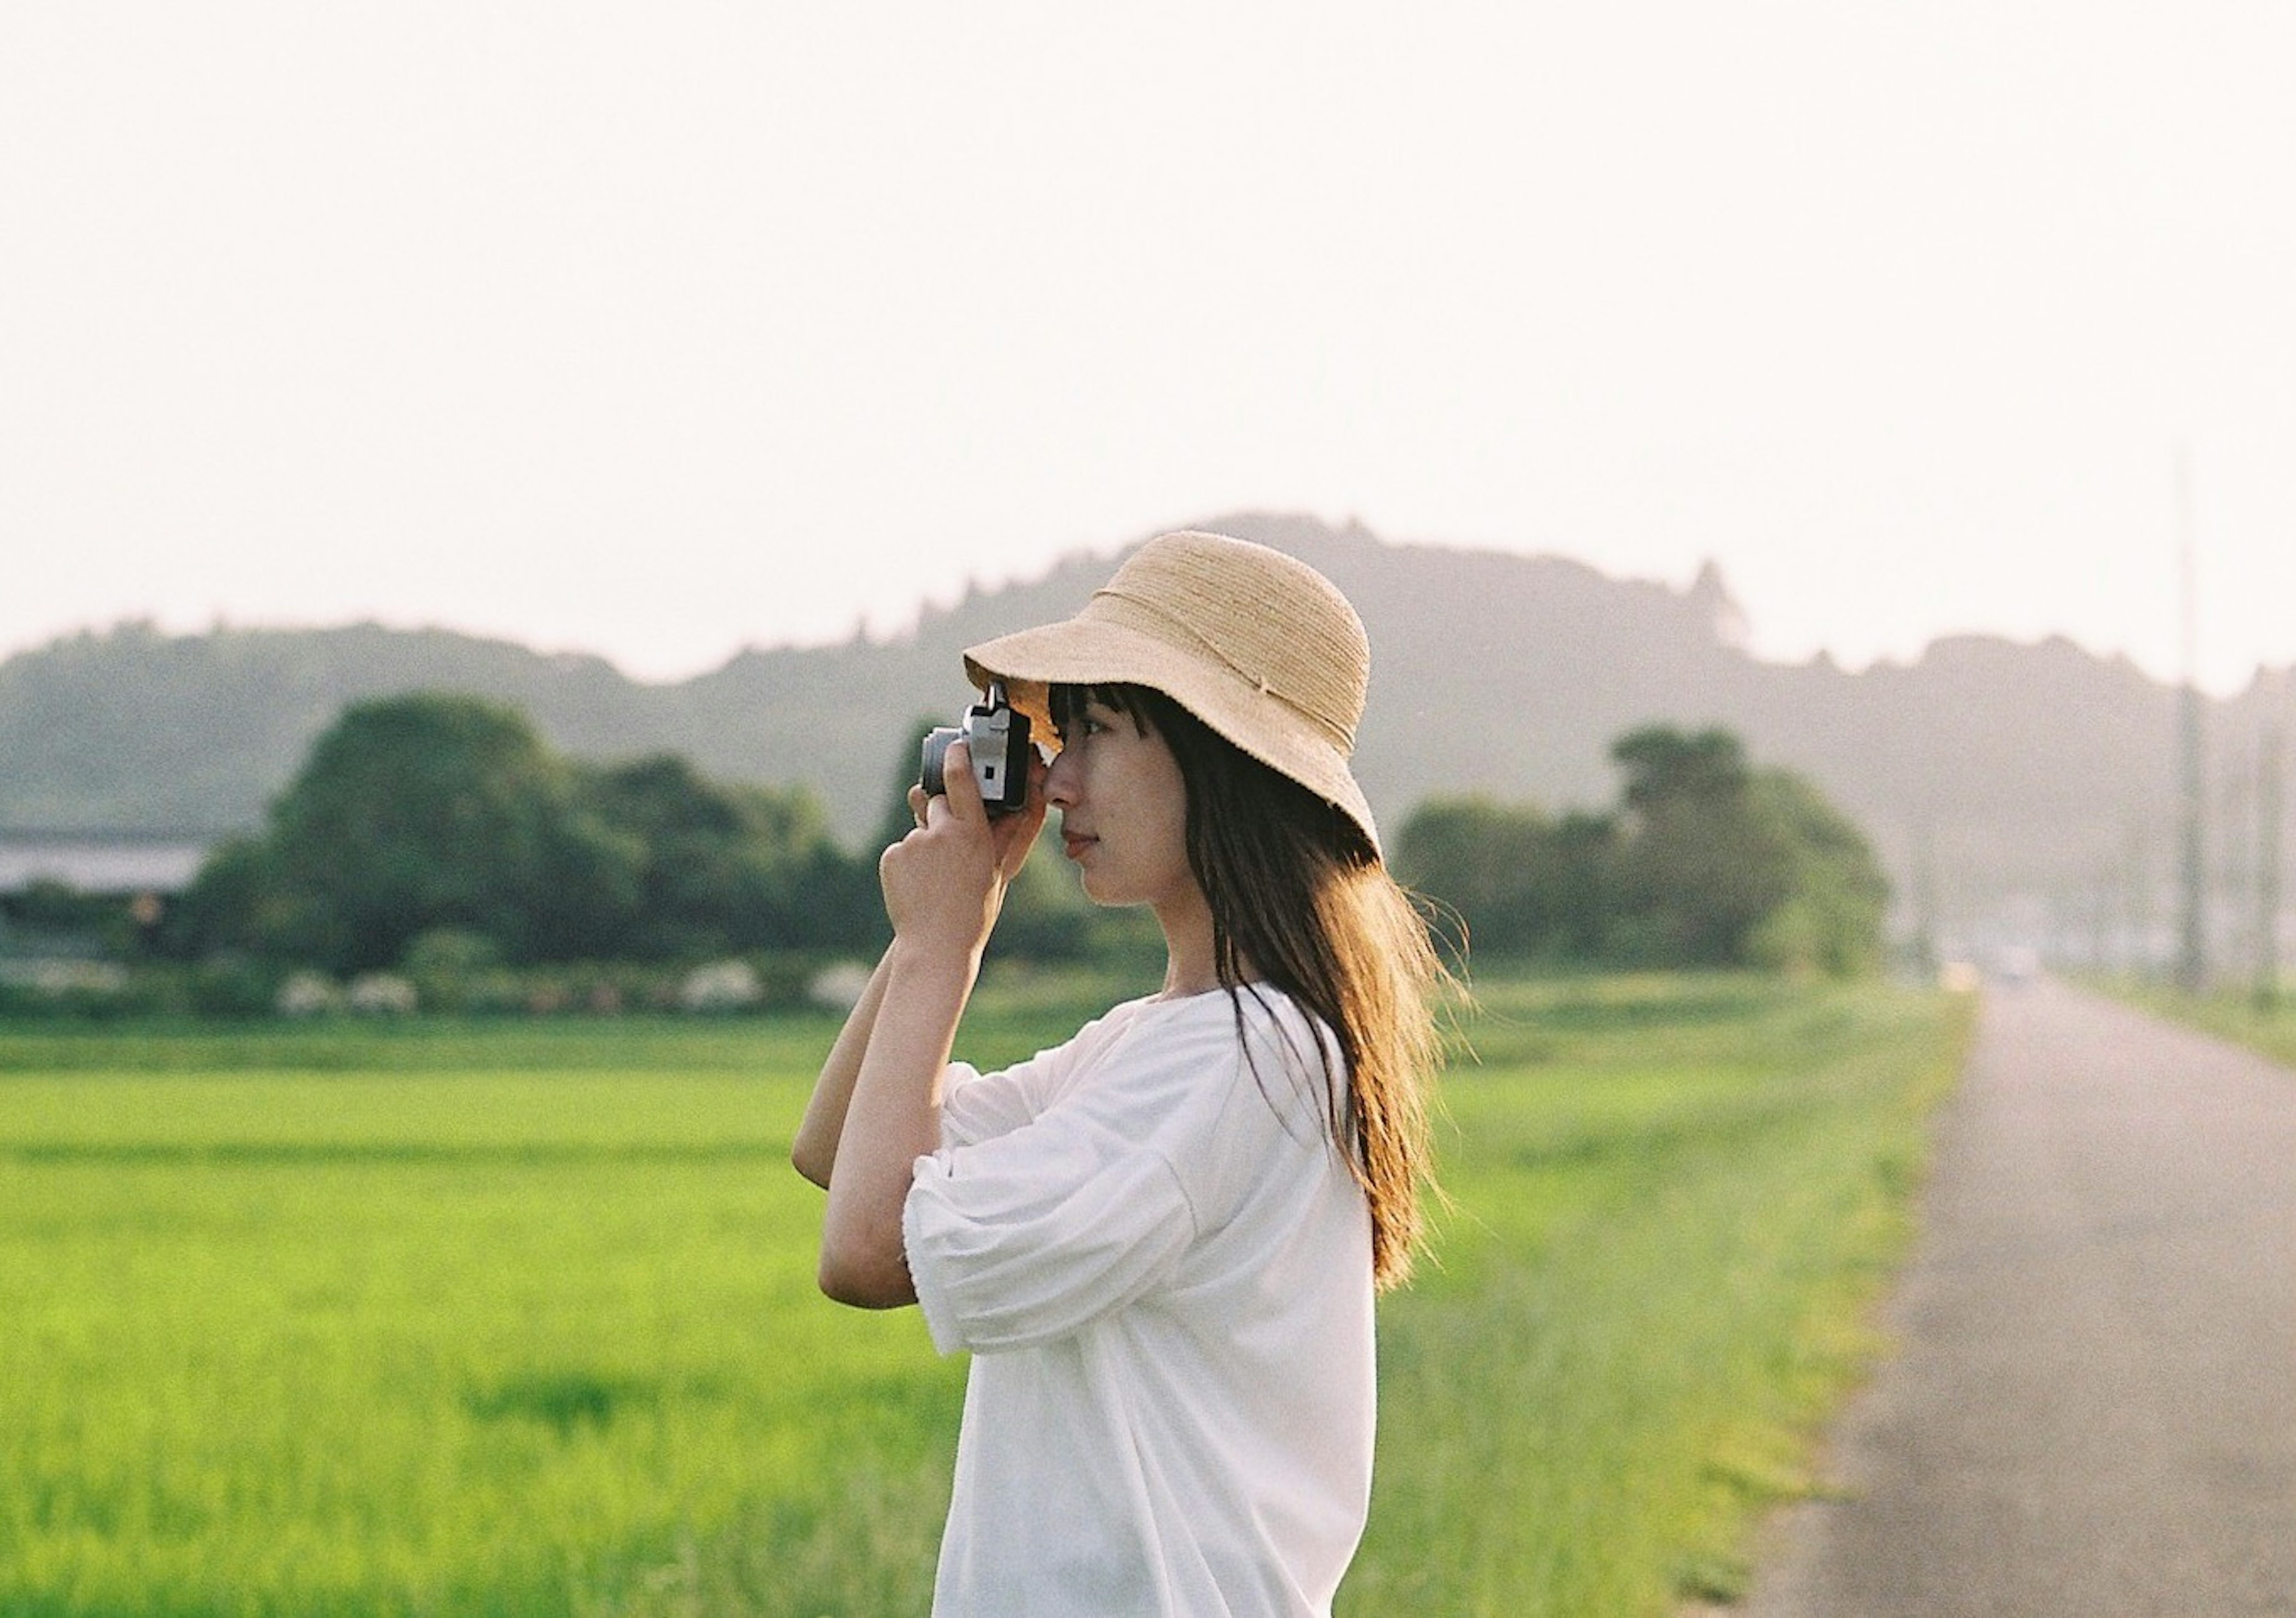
{"type": "Point", "coordinates": [655, 330]}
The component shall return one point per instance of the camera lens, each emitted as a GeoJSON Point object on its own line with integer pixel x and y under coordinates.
{"type": "Point", "coordinates": [936, 751]}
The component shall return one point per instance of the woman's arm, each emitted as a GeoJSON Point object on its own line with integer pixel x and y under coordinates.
{"type": "Point", "coordinates": [891, 1119]}
{"type": "Point", "coordinates": [944, 885]}
{"type": "Point", "coordinates": [814, 1151]}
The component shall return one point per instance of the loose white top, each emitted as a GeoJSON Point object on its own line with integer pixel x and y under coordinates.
{"type": "Point", "coordinates": [1162, 1268]}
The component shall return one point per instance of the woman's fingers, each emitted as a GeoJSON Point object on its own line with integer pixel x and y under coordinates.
{"type": "Point", "coordinates": [1016, 832]}
{"type": "Point", "coordinates": [963, 787]}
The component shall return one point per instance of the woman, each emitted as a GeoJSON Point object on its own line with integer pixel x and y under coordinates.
{"type": "Point", "coordinates": [1160, 1240]}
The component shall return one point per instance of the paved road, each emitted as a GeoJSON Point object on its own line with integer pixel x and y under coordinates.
{"type": "Point", "coordinates": [2093, 1409]}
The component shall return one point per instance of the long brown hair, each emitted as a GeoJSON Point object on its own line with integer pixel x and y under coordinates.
{"type": "Point", "coordinates": [1299, 896]}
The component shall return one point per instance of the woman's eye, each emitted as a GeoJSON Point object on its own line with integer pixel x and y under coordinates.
{"type": "Point", "coordinates": [1081, 725]}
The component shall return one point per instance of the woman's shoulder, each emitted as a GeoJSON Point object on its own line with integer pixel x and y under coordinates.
{"type": "Point", "coordinates": [1161, 1044]}
{"type": "Point", "coordinates": [1268, 1019]}
{"type": "Point", "coordinates": [1251, 1081]}
{"type": "Point", "coordinates": [1256, 1013]}
{"type": "Point", "coordinates": [1255, 1039]}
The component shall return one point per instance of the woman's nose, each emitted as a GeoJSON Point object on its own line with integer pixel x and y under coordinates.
{"type": "Point", "coordinates": [1060, 789]}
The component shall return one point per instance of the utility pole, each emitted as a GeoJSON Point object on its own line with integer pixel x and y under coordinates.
{"type": "Point", "coordinates": [2192, 958]}
{"type": "Point", "coordinates": [2137, 959]}
{"type": "Point", "coordinates": [2271, 751]}
{"type": "Point", "coordinates": [1926, 951]}
{"type": "Point", "coordinates": [2235, 865]}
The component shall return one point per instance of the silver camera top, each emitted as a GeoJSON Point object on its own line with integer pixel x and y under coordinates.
{"type": "Point", "coordinates": [996, 736]}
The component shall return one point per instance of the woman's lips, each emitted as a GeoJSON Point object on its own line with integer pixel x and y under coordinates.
{"type": "Point", "coordinates": [1073, 844]}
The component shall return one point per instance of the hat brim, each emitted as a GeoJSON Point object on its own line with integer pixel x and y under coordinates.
{"type": "Point", "coordinates": [1082, 652]}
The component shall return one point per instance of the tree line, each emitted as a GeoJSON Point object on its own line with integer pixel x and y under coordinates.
{"type": "Point", "coordinates": [1707, 861]}
{"type": "Point", "coordinates": [436, 829]}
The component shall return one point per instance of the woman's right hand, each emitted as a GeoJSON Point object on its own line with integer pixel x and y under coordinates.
{"type": "Point", "coordinates": [945, 882]}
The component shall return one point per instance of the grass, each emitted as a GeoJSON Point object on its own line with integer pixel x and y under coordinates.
{"type": "Point", "coordinates": [476, 1319]}
{"type": "Point", "coordinates": [2229, 1014]}
{"type": "Point", "coordinates": [1677, 1206]}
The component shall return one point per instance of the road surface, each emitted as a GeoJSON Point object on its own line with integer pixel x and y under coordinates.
{"type": "Point", "coordinates": [2091, 1406]}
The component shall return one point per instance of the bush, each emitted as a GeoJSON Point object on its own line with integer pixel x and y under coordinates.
{"type": "Point", "coordinates": [722, 986]}
{"type": "Point", "coordinates": [455, 970]}
{"type": "Point", "coordinates": [838, 987]}
{"type": "Point", "coordinates": [227, 986]}
{"type": "Point", "coordinates": [380, 994]}
{"type": "Point", "coordinates": [88, 989]}
{"type": "Point", "coordinates": [308, 994]}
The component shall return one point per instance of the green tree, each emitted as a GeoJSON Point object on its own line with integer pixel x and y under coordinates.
{"type": "Point", "coordinates": [1700, 868]}
{"type": "Point", "coordinates": [1666, 768]}
{"type": "Point", "coordinates": [233, 904]}
{"type": "Point", "coordinates": [1708, 862]}
{"type": "Point", "coordinates": [1518, 882]}
{"type": "Point", "coordinates": [721, 867]}
{"type": "Point", "coordinates": [445, 817]}
{"type": "Point", "coordinates": [60, 914]}
{"type": "Point", "coordinates": [1584, 879]}
{"type": "Point", "coordinates": [1833, 921]}
{"type": "Point", "coordinates": [420, 812]}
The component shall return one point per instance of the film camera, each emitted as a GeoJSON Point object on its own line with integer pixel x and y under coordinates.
{"type": "Point", "coordinates": [999, 741]}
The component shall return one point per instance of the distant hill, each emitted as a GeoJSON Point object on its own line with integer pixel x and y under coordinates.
{"type": "Point", "coordinates": [1985, 769]}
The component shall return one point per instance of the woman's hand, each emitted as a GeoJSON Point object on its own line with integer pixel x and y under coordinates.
{"type": "Point", "coordinates": [945, 882]}
{"type": "Point", "coordinates": [944, 885]}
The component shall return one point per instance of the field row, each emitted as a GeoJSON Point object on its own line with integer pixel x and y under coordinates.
{"type": "Point", "coordinates": [506, 1320]}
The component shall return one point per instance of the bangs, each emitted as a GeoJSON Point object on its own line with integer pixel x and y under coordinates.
{"type": "Point", "coordinates": [1249, 798]}
{"type": "Point", "coordinates": [1065, 702]}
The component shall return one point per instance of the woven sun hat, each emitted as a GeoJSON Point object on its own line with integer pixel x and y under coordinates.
{"type": "Point", "coordinates": [1256, 643]}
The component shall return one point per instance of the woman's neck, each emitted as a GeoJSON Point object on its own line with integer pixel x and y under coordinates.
{"type": "Point", "coordinates": [1191, 955]}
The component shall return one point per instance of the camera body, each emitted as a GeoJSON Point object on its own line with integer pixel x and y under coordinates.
{"type": "Point", "coordinates": [997, 738]}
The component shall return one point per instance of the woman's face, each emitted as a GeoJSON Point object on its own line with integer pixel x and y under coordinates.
{"type": "Point", "coordinates": [1124, 810]}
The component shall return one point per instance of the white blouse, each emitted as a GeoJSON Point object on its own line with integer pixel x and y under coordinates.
{"type": "Point", "coordinates": [1162, 1268]}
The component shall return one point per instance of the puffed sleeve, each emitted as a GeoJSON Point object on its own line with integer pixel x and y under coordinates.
{"type": "Point", "coordinates": [1159, 1127]}
{"type": "Point", "coordinates": [1029, 1234]}
{"type": "Point", "coordinates": [978, 1107]}
{"type": "Point", "coordinates": [1028, 1238]}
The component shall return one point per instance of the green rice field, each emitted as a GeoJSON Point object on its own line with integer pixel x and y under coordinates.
{"type": "Point", "coordinates": [432, 1320]}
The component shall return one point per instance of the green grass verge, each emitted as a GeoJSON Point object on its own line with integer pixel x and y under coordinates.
{"type": "Point", "coordinates": [1678, 1204]}
{"type": "Point", "coordinates": [447, 1319]}
{"type": "Point", "coordinates": [2230, 1013]}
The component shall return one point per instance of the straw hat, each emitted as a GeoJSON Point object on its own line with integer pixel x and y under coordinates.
{"type": "Point", "coordinates": [1256, 643]}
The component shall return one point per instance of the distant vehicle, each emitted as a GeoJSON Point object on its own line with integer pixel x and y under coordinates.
{"type": "Point", "coordinates": [2016, 964]}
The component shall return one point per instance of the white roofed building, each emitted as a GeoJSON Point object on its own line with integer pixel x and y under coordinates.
{"type": "Point", "coordinates": [99, 862]}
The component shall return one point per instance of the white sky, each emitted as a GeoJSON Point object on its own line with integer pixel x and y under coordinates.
{"type": "Point", "coordinates": [656, 329]}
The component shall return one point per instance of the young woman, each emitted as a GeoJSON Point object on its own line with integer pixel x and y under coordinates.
{"type": "Point", "coordinates": [1160, 1240]}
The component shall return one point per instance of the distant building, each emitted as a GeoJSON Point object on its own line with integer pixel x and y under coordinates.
{"type": "Point", "coordinates": [99, 863]}
{"type": "Point", "coordinates": [1712, 596]}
